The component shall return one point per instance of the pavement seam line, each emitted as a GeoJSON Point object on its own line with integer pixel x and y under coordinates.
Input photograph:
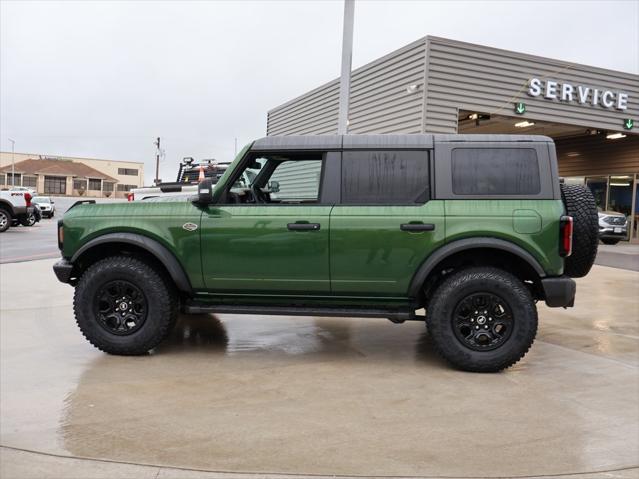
{"type": "Point", "coordinates": [293, 474]}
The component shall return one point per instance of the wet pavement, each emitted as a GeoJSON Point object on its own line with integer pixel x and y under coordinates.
{"type": "Point", "coordinates": [292, 395]}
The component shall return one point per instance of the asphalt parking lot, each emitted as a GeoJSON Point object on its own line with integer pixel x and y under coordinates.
{"type": "Point", "coordinates": [20, 243]}
{"type": "Point", "coordinates": [288, 395]}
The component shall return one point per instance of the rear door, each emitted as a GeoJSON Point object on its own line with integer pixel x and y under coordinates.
{"type": "Point", "coordinates": [385, 225]}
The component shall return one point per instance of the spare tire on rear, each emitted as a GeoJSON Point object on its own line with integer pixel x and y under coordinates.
{"type": "Point", "coordinates": [580, 204]}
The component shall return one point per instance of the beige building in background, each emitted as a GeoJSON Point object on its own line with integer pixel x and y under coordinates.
{"type": "Point", "coordinates": [69, 176]}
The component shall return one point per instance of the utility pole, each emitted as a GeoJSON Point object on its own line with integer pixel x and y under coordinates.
{"type": "Point", "coordinates": [347, 57]}
{"type": "Point", "coordinates": [157, 161]}
{"type": "Point", "coordinates": [13, 162]}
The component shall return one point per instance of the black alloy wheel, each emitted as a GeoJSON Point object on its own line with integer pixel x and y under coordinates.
{"type": "Point", "coordinates": [121, 307]}
{"type": "Point", "coordinates": [482, 321]}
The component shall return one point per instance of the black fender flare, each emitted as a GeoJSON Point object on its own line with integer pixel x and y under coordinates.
{"type": "Point", "coordinates": [467, 244]}
{"type": "Point", "coordinates": [153, 247]}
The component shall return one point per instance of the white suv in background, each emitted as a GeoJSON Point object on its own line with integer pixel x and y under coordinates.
{"type": "Point", "coordinates": [14, 206]}
{"type": "Point", "coordinates": [613, 227]}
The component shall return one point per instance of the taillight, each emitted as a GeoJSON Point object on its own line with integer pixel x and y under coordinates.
{"type": "Point", "coordinates": [130, 197]}
{"type": "Point", "coordinates": [566, 228]}
{"type": "Point", "coordinates": [27, 198]}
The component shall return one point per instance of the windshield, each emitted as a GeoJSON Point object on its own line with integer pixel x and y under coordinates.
{"type": "Point", "coordinates": [41, 199]}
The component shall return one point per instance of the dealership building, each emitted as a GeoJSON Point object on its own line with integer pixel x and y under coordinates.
{"type": "Point", "coordinates": [69, 176]}
{"type": "Point", "coordinates": [438, 85]}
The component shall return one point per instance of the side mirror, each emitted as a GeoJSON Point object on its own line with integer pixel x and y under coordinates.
{"type": "Point", "coordinates": [274, 186]}
{"type": "Point", "coordinates": [205, 192]}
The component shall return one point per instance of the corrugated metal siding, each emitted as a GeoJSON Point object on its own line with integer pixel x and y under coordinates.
{"type": "Point", "coordinates": [459, 76]}
{"type": "Point", "coordinates": [489, 80]}
{"type": "Point", "coordinates": [298, 180]}
{"type": "Point", "coordinates": [379, 101]}
{"type": "Point", "coordinates": [595, 155]}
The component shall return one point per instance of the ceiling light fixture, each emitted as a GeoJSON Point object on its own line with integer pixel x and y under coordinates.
{"type": "Point", "coordinates": [615, 136]}
{"type": "Point", "coordinates": [524, 124]}
{"type": "Point", "coordinates": [473, 116]}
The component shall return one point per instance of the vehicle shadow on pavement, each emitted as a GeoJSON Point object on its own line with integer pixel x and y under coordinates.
{"type": "Point", "coordinates": [197, 332]}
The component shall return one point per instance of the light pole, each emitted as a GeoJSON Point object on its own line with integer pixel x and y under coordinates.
{"type": "Point", "coordinates": [13, 162]}
{"type": "Point", "coordinates": [347, 56]}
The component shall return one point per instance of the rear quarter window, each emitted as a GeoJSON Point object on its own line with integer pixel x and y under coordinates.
{"type": "Point", "coordinates": [495, 171]}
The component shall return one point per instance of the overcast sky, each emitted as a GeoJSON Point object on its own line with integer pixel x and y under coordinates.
{"type": "Point", "coordinates": [103, 79]}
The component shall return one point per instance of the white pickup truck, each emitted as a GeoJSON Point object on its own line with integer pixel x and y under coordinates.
{"type": "Point", "coordinates": [188, 177]}
{"type": "Point", "coordinates": [14, 205]}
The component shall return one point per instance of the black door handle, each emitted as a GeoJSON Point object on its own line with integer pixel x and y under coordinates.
{"type": "Point", "coordinates": [303, 226]}
{"type": "Point", "coordinates": [412, 227]}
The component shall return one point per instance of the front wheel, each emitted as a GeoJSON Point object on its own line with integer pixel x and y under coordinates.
{"type": "Point", "coordinates": [124, 306]}
{"type": "Point", "coordinates": [482, 319]}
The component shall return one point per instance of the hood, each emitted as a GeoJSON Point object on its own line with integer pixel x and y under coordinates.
{"type": "Point", "coordinates": [611, 213]}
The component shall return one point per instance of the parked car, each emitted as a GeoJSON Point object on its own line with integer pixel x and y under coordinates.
{"type": "Point", "coordinates": [474, 228]}
{"type": "Point", "coordinates": [46, 204]}
{"type": "Point", "coordinates": [613, 227]}
{"type": "Point", "coordinates": [14, 207]}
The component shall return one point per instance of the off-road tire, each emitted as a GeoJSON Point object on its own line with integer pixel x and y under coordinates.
{"type": "Point", "coordinates": [610, 241]}
{"type": "Point", "coordinates": [160, 297]}
{"type": "Point", "coordinates": [580, 204]}
{"type": "Point", "coordinates": [5, 220]}
{"type": "Point", "coordinates": [458, 286]}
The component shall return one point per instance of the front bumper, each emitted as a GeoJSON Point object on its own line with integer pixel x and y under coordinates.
{"type": "Point", "coordinates": [614, 232]}
{"type": "Point", "coordinates": [62, 270]}
{"type": "Point", "coordinates": [559, 291]}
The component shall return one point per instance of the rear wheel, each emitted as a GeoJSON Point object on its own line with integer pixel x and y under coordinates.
{"type": "Point", "coordinates": [28, 220]}
{"type": "Point", "coordinates": [482, 319]}
{"type": "Point", "coordinates": [124, 306]}
{"type": "Point", "coordinates": [5, 220]}
{"type": "Point", "coordinates": [580, 204]}
{"type": "Point", "coordinates": [610, 241]}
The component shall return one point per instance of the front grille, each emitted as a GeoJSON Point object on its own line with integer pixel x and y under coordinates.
{"type": "Point", "coordinates": [615, 220]}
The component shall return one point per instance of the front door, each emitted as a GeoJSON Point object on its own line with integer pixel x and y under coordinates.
{"type": "Point", "coordinates": [272, 234]}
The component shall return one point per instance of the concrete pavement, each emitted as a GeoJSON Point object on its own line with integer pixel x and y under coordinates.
{"type": "Point", "coordinates": [288, 395]}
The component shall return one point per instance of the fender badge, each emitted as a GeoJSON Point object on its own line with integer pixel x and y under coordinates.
{"type": "Point", "coordinates": [189, 226]}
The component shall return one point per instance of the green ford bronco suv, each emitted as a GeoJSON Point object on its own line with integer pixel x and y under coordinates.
{"type": "Point", "coordinates": [475, 229]}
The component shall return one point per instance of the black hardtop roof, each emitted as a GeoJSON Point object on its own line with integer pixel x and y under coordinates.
{"type": "Point", "coordinates": [408, 141]}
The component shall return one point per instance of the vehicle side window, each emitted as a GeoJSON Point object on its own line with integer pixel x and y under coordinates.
{"type": "Point", "coordinates": [297, 180]}
{"type": "Point", "coordinates": [385, 177]}
{"type": "Point", "coordinates": [495, 171]}
{"type": "Point", "coordinates": [279, 178]}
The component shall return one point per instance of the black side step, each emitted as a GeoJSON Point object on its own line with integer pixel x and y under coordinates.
{"type": "Point", "coordinates": [400, 315]}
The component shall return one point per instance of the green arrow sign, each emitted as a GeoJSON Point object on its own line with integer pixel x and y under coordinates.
{"type": "Point", "coordinates": [520, 108]}
{"type": "Point", "coordinates": [629, 123]}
